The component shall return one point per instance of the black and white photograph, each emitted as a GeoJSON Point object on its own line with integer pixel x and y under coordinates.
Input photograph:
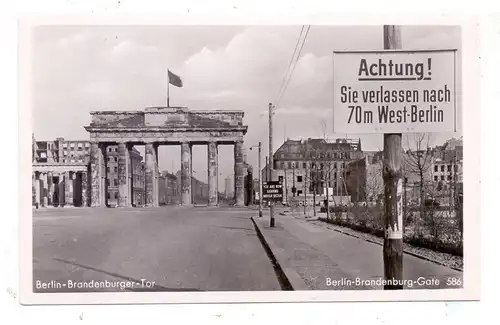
{"type": "Point", "coordinates": [214, 159]}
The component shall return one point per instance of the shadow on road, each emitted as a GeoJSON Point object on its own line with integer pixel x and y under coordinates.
{"type": "Point", "coordinates": [153, 288]}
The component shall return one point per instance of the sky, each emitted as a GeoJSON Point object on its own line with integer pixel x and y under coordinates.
{"type": "Point", "coordinates": [78, 69]}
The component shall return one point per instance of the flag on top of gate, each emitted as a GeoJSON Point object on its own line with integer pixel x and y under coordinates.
{"type": "Point", "coordinates": [174, 79]}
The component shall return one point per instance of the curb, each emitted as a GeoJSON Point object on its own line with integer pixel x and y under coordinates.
{"type": "Point", "coordinates": [288, 278]}
{"type": "Point", "coordinates": [404, 250]}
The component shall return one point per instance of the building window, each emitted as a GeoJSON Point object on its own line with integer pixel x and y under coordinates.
{"type": "Point", "coordinates": [449, 168]}
{"type": "Point", "coordinates": [109, 149]}
{"type": "Point", "coordinates": [299, 179]}
{"type": "Point", "coordinates": [109, 169]}
{"type": "Point", "coordinates": [116, 195]}
{"type": "Point", "coordinates": [442, 177]}
{"type": "Point", "coordinates": [442, 168]}
{"type": "Point", "coordinates": [343, 165]}
{"type": "Point", "coordinates": [449, 177]}
{"type": "Point", "coordinates": [116, 159]}
{"type": "Point", "coordinates": [115, 182]}
{"type": "Point", "coordinates": [435, 178]}
{"type": "Point", "coordinates": [436, 168]}
{"type": "Point", "coordinates": [109, 196]}
{"type": "Point", "coordinates": [299, 192]}
{"type": "Point", "coordinates": [304, 165]}
{"type": "Point", "coordinates": [289, 165]}
{"type": "Point", "coordinates": [115, 169]}
{"type": "Point", "coordinates": [280, 179]}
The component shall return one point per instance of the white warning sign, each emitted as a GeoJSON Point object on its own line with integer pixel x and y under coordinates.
{"type": "Point", "coordinates": [394, 91]}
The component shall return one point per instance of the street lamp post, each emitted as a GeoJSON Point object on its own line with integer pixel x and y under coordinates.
{"type": "Point", "coordinates": [260, 179]}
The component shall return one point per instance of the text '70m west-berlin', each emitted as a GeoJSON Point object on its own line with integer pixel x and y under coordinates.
{"type": "Point", "coordinates": [390, 114]}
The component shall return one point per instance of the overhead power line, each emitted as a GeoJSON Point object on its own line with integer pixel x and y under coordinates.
{"type": "Point", "coordinates": [291, 67]}
{"type": "Point", "coordinates": [290, 75]}
{"type": "Point", "coordinates": [288, 69]}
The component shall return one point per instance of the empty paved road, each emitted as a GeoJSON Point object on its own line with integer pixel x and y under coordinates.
{"type": "Point", "coordinates": [179, 249]}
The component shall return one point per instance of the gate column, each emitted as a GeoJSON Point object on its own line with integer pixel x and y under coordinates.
{"type": "Point", "coordinates": [122, 175]}
{"type": "Point", "coordinates": [37, 188]}
{"type": "Point", "coordinates": [130, 176]}
{"type": "Point", "coordinates": [239, 177]}
{"type": "Point", "coordinates": [45, 190]}
{"type": "Point", "coordinates": [68, 189]}
{"type": "Point", "coordinates": [212, 174]}
{"type": "Point", "coordinates": [156, 183]}
{"type": "Point", "coordinates": [50, 183]}
{"type": "Point", "coordinates": [96, 188]}
{"type": "Point", "coordinates": [149, 174]}
{"type": "Point", "coordinates": [186, 173]}
{"type": "Point", "coordinates": [85, 188]}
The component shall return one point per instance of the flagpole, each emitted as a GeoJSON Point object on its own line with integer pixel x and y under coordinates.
{"type": "Point", "coordinates": [168, 90]}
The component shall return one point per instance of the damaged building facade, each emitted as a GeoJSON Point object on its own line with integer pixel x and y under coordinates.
{"type": "Point", "coordinates": [313, 166]}
{"type": "Point", "coordinates": [108, 170]}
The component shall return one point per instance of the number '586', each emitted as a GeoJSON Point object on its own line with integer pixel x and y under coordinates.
{"type": "Point", "coordinates": [454, 281]}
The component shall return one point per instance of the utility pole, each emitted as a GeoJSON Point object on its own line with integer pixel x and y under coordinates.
{"type": "Point", "coordinates": [267, 166]}
{"type": "Point", "coordinates": [305, 189]}
{"type": "Point", "coordinates": [315, 185]}
{"type": "Point", "coordinates": [271, 160]}
{"type": "Point", "coordinates": [393, 188]}
{"type": "Point", "coordinates": [260, 182]}
{"type": "Point", "coordinates": [285, 190]}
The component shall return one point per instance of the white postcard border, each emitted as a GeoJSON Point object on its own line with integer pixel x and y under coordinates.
{"type": "Point", "coordinates": [470, 100]}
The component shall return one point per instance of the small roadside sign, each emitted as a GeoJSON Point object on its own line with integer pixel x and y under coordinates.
{"type": "Point", "coordinates": [272, 191]}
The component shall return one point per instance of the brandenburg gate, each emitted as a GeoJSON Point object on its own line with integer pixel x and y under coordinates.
{"type": "Point", "coordinates": [157, 126]}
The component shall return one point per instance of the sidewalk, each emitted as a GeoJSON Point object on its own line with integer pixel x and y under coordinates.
{"type": "Point", "coordinates": [314, 257]}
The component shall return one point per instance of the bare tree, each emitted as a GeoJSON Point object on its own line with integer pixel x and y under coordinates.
{"type": "Point", "coordinates": [322, 169]}
{"type": "Point", "coordinates": [374, 182]}
{"type": "Point", "coordinates": [312, 171]}
{"type": "Point", "coordinates": [418, 161]}
{"type": "Point", "coordinates": [326, 170]}
{"type": "Point", "coordinates": [307, 175]}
